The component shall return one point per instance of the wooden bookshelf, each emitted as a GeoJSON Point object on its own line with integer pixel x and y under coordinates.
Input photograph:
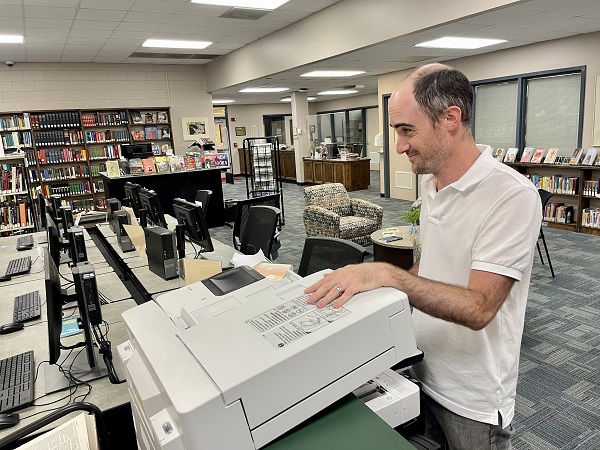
{"type": "Point", "coordinates": [580, 200]}
{"type": "Point", "coordinates": [16, 208]}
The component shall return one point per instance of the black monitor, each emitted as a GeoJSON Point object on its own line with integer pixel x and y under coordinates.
{"type": "Point", "coordinates": [129, 151]}
{"type": "Point", "coordinates": [66, 217]}
{"type": "Point", "coordinates": [43, 206]}
{"type": "Point", "coordinates": [54, 242]}
{"type": "Point", "coordinates": [151, 203]}
{"type": "Point", "coordinates": [53, 306]}
{"type": "Point", "coordinates": [132, 195]}
{"type": "Point", "coordinates": [191, 216]}
{"type": "Point", "coordinates": [55, 204]}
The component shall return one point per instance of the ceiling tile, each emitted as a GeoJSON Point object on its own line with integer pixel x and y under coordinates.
{"type": "Point", "coordinates": [54, 3]}
{"type": "Point", "coordinates": [86, 41]}
{"type": "Point", "coordinates": [94, 24]}
{"type": "Point", "coordinates": [195, 9]}
{"type": "Point", "coordinates": [62, 24]}
{"type": "Point", "coordinates": [286, 16]}
{"type": "Point", "coordinates": [138, 26]}
{"type": "Point", "coordinates": [12, 11]}
{"type": "Point", "coordinates": [146, 17]}
{"type": "Point", "coordinates": [49, 12]}
{"type": "Point", "coordinates": [46, 32]}
{"type": "Point", "coordinates": [157, 6]}
{"type": "Point", "coordinates": [90, 33]}
{"type": "Point", "coordinates": [115, 5]}
{"type": "Point", "coordinates": [100, 14]}
{"type": "Point", "coordinates": [46, 40]}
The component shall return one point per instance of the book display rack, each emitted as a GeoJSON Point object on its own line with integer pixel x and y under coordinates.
{"type": "Point", "coordinates": [16, 214]}
{"type": "Point", "coordinates": [66, 150]}
{"type": "Point", "coordinates": [575, 205]}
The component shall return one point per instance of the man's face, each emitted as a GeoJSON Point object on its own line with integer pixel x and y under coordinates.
{"type": "Point", "coordinates": [426, 146]}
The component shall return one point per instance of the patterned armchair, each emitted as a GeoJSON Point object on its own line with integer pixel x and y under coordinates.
{"type": "Point", "coordinates": [330, 211]}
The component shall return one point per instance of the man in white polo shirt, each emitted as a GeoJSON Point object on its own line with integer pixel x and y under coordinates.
{"type": "Point", "coordinates": [479, 225]}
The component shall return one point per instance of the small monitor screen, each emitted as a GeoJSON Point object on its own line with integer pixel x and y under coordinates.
{"type": "Point", "coordinates": [53, 305]}
{"type": "Point", "coordinates": [191, 216]}
{"type": "Point", "coordinates": [53, 239]}
{"type": "Point", "coordinates": [232, 280]}
{"type": "Point", "coordinates": [132, 192]}
{"type": "Point", "coordinates": [151, 203]}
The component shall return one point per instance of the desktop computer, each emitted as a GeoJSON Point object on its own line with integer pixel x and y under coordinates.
{"type": "Point", "coordinates": [77, 249]}
{"type": "Point", "coordinates": [161, 249]}
{"type": "Point", "coordinates": [112, 205]}
{"type": "Point", "coordinates": [121, 218]}
{"type": "Point", "coordinates": [66, 216]}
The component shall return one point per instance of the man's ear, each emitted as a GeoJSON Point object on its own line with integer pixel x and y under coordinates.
{"type": "Point", "coordinates": [452, 118]}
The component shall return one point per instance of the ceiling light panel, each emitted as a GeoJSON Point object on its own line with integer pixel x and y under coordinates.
{"type": "Point", "coordinates": [264, 89]}
{"type": "Point", "coordinates": [333, 73]}
{"type": "Point", "coordinates": [221, 102]}
{"type": "Point", "coordinates": [338, 92]}
{"type": "Point", "coordinates": [460, 43]}
{"type": "Point", "coordinates": [256, 4]}
{"type": "Point", "coordinates": [166, 43]}
{"type": "Point", "coordinates": [10, 39]}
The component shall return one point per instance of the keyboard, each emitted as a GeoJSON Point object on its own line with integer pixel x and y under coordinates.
{"type": "Point", "coordinates": [16, 382]}
{"type": "Point", "coordinates": [25, 242]}
{"type": "Point", "coordinates": [216, 256]}
{"type": "Point", "coordinates": [18, 266]}
{"type": "Point", "coordinates": [27, 307]}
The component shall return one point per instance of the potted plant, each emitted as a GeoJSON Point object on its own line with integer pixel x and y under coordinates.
{"type": "Point", "coordinates": [413, 216]}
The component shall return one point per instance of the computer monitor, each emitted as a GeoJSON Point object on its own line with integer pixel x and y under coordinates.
{"type": "Point", "coordinates": [54, 242]}
{"type": "Point", "coordinates": [191, 216]}
{"type": "Point", "coordinates": [55, 204]}
{"type": "Point", "coordinates": [66, 215]}
{"type": "Point", "coordinates": [129, 151]}
{"type": "Point", "coordinates": [79, 368]}
{"type": "Point", "coordinates": [151, 203]}
{"type": "Point", "coordinates": [43, 206]}
{"type": "Point", "coordinates": [132, 195]}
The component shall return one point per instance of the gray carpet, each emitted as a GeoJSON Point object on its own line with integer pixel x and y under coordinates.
{"type": "Point", "coordinates": [558, 396]}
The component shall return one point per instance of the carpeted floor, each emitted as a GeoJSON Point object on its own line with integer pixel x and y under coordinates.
{"type": "Point", "coordinates": [558, 404]}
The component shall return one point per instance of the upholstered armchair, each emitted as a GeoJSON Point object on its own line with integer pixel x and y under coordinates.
{"type": "Point", "coordinates": [329, 211]}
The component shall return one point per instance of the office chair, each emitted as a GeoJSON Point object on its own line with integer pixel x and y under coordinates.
{"type": "Point", "coordinates": [545, 196]}
{"type": "Point", "coordinates": [329, 253]}
{"type": "Point", "coordinates": [242, 210]}
{"type": "Point", "coordinates": [203, 196]}
{"type": "Point", "coordinates": [259, 233]}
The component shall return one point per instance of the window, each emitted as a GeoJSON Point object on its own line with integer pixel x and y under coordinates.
{"type": "Point", "coordinates": [496, 114]}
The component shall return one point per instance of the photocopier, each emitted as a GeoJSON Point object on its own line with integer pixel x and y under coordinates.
{"type": "Point", "coordinates": [236, 371]}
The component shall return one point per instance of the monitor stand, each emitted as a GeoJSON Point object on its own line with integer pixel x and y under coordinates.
{"type": "Point", "coordinates": [76, 364]}
{"type": "Point", "coordinates": [69, 297]}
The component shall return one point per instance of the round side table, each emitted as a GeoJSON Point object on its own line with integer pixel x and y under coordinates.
{"type": "Point", "coordinates": [399, 253]}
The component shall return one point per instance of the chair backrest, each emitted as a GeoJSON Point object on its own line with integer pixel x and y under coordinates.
{"type": "Point", "coordinates": [203, 196]}
{"type": "Point", "coordinates": [242, 210]}
{"type": "Point", "coordinates": [260, 230]}
{"type": "Point", "coordinates": [544, 196]}
{"type": "Point", "coordinates": [329, 253]}
{"type": "Point", "coordinates": [331, 196]}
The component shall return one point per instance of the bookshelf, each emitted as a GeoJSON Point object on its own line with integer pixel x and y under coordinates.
{"type": "Point", "coordinates": [574, 186]}
{"type": "Point", "coordinates": [150, 125]}
{"type": "Point", "coordinates": [16, 213]}
{"type": "Point", "coordinates": [15, 132]}
{"type": "Point", "coordinates": [69, 148]}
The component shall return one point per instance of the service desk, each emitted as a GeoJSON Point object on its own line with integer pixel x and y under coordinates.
{"type": "Point", "coordinates": [170, 185]}
{"type": "Point", "coordinates": [354, 174]}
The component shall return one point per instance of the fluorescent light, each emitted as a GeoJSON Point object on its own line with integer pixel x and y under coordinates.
{"type": "Point", "coordinates": [253, 4]}
{"type": "Point", "coordinates": [10, 39]}
{"type": "Point", "coordinates": [333, 73]}
{"type": "Point", "coordinates": [264, 89]}
{"type": "Point", "coordinates": [338, 92]}
{"type": "Point", "coordinates": [220, 102]}
{"type": "Point", "coordinates": [166, 43]}
{"type": "Point", "coordinates": [460, 42]}
{"type": "Point", "coordinates": [289, 99]}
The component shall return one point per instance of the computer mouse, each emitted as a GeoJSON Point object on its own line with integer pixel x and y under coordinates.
{"type": "Point", "coordinates": [8, 420]}
{"type": "Point", "coordinates": [5, 278]}
{"type": "Point", "coordinates": [11, 327]}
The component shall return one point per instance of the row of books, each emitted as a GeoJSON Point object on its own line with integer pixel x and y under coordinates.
{"type": "Point", "coordinates": [60, 137]}
{"type": "Point", "coordinates": [15, 122]}
{"type": "Point", "coordinates": [590, 217]}
{"type": "Point", "coordinates": [30, 156]}
{"type": "Point", "coordinates": [15, 215]}
{"type": "Point", "coordinates": [60, 173]}
{"type": "Point", "coordinates": [100, 137]}
{"type": "Point", "coordinates": [16, 139]}
{"type": "Point", "coordinates": [82, 205]}
{"type": "Point", "coordinates": [101, 203]}
{"type": "Point", "coordinates": [98, 186]}
{"type": "Point", "coordinates": [555, 183]}
{"type": "Point", "coordinates": [150, 132]}
{"type": "Point", "coordinates": [95, 169]}
{"type": "Point", "coordinates": [11, 178]}
{"type": "Point", "coordinates": [61, 155]}
{"type": "Point", "coordinates": [109, 151]}
{"type": "Point", "coordinates": [558, 212]}
{"type": "Point", "coordinates": [149, 117]}
{"type": "Point", "coordinates": [171, 163]}
{"type": "Point", "coordinates": [581, 156]}
{"type": "Point", "coordinates": [101, 119]}
{"type": "Point", "coordinates": [55, 120]}
{"type": "Point", "coordinates": [591, 188]}
{"type": "Point", "coordinates": [66, 189]}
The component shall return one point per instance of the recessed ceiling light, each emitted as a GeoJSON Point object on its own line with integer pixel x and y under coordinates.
{"type": "Point", "coordinates": [332, 73]}
{"type": "Point", "coordinates": [264, 89]}
{"type": "Point", "coordinates": [167, 43]}
{"type": "Point", "coordinates": [460, 42]}
{"type": "Point", "coordinates": [220, 102]}
{"type": "Point", "coordinates": [338, 92]}
{"type": "Point", "coordinates": [10, 39]}
{"type": "Point", "coordinates": [254, 4]}
{"type": "Point", "coordinates": [289, 99]}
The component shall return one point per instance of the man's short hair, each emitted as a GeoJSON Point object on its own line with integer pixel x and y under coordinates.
{"type": "Point", "coordinates": [436, 90]}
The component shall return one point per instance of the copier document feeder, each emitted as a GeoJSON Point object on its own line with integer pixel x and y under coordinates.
{"type": "Point", "coordinates": [256, 366]}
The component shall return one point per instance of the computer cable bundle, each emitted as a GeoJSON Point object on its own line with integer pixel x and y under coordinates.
{"type": "Point", "coordinates": [106, 352]}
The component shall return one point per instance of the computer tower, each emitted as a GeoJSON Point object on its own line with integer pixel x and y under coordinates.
{"type": "Point", "coordinates": [161, 251]}
{"type": "Point", "coordinates": [77, 249]}
{"type": "Point", "coordinates": [121, 218]}
{"type": "Point", "coordinates": [112, 205]}
{"type": "Point", "coordinates": [84, 277]}
{"type": "Point", "coordinates": [66, 216]}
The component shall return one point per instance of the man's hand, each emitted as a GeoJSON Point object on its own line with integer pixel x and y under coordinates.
{"type": "Point", "coordinates": [339, 286]}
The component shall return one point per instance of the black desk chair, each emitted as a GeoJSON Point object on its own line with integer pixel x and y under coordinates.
{"type": "Point", "coordinates": [329, 253]}
{"type": "Point", "coordinates": [203, 196]}
{"type": "Point", "coordinates": [259, 233]}
{"type": "Point", "coordinates": [545, 197]}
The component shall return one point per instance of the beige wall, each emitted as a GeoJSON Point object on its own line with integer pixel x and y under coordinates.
{"type": "Point", "coordinates": [30, 87]}
{"type": "Point", "coordinates": [583, 50]}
